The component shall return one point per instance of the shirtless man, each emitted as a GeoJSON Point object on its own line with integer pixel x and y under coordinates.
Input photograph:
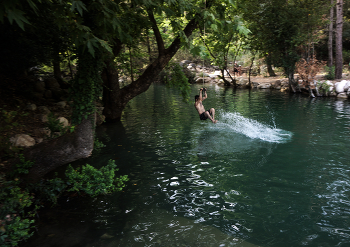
{"type": "Point", "coordinates": [203, 114]}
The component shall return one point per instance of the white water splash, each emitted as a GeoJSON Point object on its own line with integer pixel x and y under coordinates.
{"type": "Point", "coordinates": [251, 128]}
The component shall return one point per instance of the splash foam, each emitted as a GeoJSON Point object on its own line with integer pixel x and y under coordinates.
{"type": "Point", "coordinates": [251, 128]}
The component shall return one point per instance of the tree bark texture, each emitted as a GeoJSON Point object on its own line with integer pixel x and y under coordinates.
{"type": "Point", "coordinates": [330, 36]}
{"type": "Point", "coordinates": [113, 106]}
{"type": "Point", "coordinates": [338, 40]}
{"type": "Point", "coordinates": [51, 154]}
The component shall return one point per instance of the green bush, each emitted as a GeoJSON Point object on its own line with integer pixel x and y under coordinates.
{"type": "Point", "coordinates": [18, 204]}
{"type": "Point", "coordinates": [9, 121]}
{"type": "Point", "coordinates": [94, 181]}
{"type": "Point", "coordinates": [180, 81]}
{"type": "Point", "coordinates": [54, 124]}
{"type": "Point", "coordinates": [346, 56]}
{"type": "Point", "coordinates": [330, 72]}
{"type": "Point", "coordinates": [98, 145]}
{"type": "Point", "coordinates": [324, 87]}
{"type": "Point", "coordinates": [15, 218]}
{"type": "Point", "coordinates": [16, 230]}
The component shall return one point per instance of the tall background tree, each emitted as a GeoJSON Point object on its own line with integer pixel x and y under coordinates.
{"type": "Point", "coordinates": [330, 35]}
{"type": "Point", "coordinates": [339, 40]}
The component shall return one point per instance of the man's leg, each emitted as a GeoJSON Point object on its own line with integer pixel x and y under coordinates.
{"type": "Point", "coordinates": [208, 115]}
{"type": "Point", "coordinates": [212, 112]}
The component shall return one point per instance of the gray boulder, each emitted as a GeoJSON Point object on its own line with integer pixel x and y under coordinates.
{"type": "Point", "coordinates": [264, 86]}
{"type": "Point", "coordinates": [61, 104]}
{"type": "Point", "coordinates": [339, 86]}
{"type": "Point", "coordinates": [63, 121]}
{"type": "Point", "coordinates": [22, 140]}
{"type": "Point", "coordinates": [347, 86]}
{"type": "Point", "coordinates": [342, 95]}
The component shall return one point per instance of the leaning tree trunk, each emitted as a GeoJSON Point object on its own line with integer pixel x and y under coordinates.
{"type": "Point", "coordinates": [49, 155]}
{"type": "Point", "coordinates": [233, 80]}
{"type": "Point", "coordinates": [226, 82]}
{"type": "Point", "coordinates": [338, 40]}
{"type": "Point", "coordinates": [115, 98]}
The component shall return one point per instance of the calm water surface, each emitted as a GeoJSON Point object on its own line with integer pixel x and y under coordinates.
{"type": "Point", "coordinates": [274, 171]}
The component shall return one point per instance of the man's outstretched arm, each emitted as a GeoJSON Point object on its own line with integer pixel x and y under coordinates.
{"type": "Point", "coordinates": [200, 94]}
{"type": "Point", "coordinates": [205, 94]}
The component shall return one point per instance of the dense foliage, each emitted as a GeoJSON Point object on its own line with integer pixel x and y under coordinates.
{"type": "Point", "coordinates": [283, 30]}
{"type": "Point", "coordinates": [178, 79]}
{"type": "Point", "coordinates": [20, 200]}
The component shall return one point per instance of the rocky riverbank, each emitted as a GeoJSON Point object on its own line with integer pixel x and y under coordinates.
{"type": "Point", "coordinates": [320, 87]}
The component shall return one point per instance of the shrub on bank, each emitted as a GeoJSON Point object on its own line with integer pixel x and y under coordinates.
{"type": "Point", "coordinates": [19, 201]}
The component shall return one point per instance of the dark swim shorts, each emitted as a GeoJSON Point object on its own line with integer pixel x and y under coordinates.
{"type": "Point", "coordinates": [203, 116]}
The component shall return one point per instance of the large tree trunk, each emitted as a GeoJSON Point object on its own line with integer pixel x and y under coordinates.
{"type": "Point", "coordinates": [53, 153]}
{"type": "Point", "coordinates": [338, 40]}
{"type": "Point", "coordinates": [116, 98]}
{"type": "Point", "coordinates": [111, 92]}
{"type": "Point", "coordinates": [330, 37]}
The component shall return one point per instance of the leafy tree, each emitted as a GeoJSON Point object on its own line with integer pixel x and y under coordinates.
{"type": "Point", "coordinates": [281, 28]}
{"type": "Point", "coordinates": [171, 23]}
{"type": "Point", "coordinates": [110, 28]}
{"type": "Point", "coordinates": [222, 36]}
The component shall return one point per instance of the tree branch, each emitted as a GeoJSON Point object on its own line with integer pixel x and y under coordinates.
{"type": "Point", "coordinates": [153, 70]}
{"type": "Point", "coordinates": [165, 55]}
{"type": "Point", "coordinates": [157, 34]}
{"type": "Point", "coordinates": [205, 44]}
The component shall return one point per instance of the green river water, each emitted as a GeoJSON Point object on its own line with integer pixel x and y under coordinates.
{"type": "Point", "coordinates": [274, 171]}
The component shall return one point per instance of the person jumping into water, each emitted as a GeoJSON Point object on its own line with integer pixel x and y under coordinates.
{"type": "Point", "coordinates": [203, 114]}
